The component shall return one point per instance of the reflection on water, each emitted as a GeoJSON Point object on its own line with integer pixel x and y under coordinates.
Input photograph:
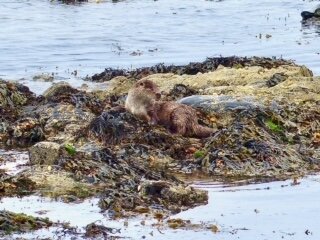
{"type": "Point", "coordinates": [13, 162]}
{"type": "Point", "coordinates": [44, 36]}
{"type": "Point", "coordinates": [277, 210]}
{"type": "Point", "coordinates": [310, 27]}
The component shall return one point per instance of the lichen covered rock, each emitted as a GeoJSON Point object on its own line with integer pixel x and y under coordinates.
{"type": "Point", "coordinates": [45, 153]}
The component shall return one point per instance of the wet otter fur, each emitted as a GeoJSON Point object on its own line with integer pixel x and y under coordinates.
{"type": "Point", "coordinates": [142, 101]}
{"type": "Point", "coordinates": [180, 119]}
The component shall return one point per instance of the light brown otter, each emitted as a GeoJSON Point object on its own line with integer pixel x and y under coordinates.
{"type": "Point", "coordinates": [141, 99]}
{"type": "Point", "coordinates": [178, 118]}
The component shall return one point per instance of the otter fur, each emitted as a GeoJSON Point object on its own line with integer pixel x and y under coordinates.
{"type": "Point", "coordinates": [180, 119]}
{"type": "Point", "coordinates": [142, 101]}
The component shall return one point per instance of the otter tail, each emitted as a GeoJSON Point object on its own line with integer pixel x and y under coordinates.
{"type": "Point", "coordinates": [202, 131]}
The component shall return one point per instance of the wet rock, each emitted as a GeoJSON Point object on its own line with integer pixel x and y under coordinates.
{"type": "Point", "coordinates": [96, 231]}
{"type": "Point", "coordinates": [63, 93]}
{"type": "Point", "coordinates": [112, 125]}
{"type": "Point", "coordinates": [25, 132]}
{"type": "Point", "coordinates": [93, 151]}
{"type": "Point", "coordinates": [254, 144]}
{"type": "Point", "coordinates": [18, 185]}
{"type": "Point", "coordinates": [221, 103]}
{"type": "Point", "coordinates": [261, 131]}
{"type": "Point", "coordinates": [177, 195]}
{"type": "Point", "coordinates": [276, 79]}
{"type": "Point", "coordinates": [45, 153]}
{"type": "Point", "coordinates": [180, 91]}
{"type": "Point", "coordinates": [108, 74]}
{"type": "Point", "coordinates": [4, 126]}
{"type": "Point", "coordinates": [178, 223]}
{"type": "Point", "coordinates": [64, 122]}
{"type": "Point", "coordinates": [71, 1]}
{"type": "Point", "coordinates": [58, 89]}
{"type": "Point", "coordinates": [43, 78]}
{"type": "Point", "coordinates": [18, 222]}
{"type": "Point", "coordinates": [210, 64]}
{"type": "Point", "coordinates": [306, 15]}
{"type": "Point", "coordinates": [14, 95]}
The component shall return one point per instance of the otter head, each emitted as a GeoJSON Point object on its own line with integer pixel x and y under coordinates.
{"type": "Point", "coordinates": [149, 85]}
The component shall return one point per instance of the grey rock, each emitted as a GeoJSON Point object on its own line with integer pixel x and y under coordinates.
{"type": "Point", "coordinates": [44, 153]}
{"type": "Point", "coordinates": [221, 103]}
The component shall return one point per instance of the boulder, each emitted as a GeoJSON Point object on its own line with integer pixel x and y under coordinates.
{"type": "Point", "coordinates": [44, 153]}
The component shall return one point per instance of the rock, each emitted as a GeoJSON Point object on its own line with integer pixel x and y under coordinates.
{"type": "Point", "coordinates": [226, 79]}
{"type": "Point", "coordinates": [58, 89]}
{"type": "Point", "coordinates": [221, 103]}
{"type": "Point", "coordinates": [14, 95]}
{"type": "Point", "coordinates": [276, 79]}
{"type": "Point", "coordinates": [118, 86]}
{"type": "Point", "coordinates": [19, 222]}
{"type": "Point", "coordinates": [306, 15]}
{"type": "Point", "coordinates": [64, 122]}
{"type": "Point", "coordinates": [43, 78]}
{"type": "Point", "coordinates": [210, 64]}
{"type": "Point", "coordinates": [95, 231]}
{"type": "Point", "coordinates": [25, 132]}
{"type": "Point", "coordinates": [179, 194]}
{"type": "Point", "coordinates": [112, 125]}
{"type": "Point", "coordinates": [93, 151]}
{"type": "Point", "coordinates": [15, 185]}
{"type": "Point", "coordinates": [265, 114]}
{"type": "Point", "coordinates": [63, 93]}
{"type": "Point", "coordinates": [306, 72]}
{"type": "Point", "coordinates": [45, 153]}
{"type": "Point", "coordinates": [179, 91]}
{"type": "Point", "coordinates": [108, 74]}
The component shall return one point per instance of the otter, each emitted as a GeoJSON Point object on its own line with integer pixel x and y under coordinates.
{"type": "Point", "coordinates": [143, 102]}
{"type": "Point", "coordinates": [141, 99]}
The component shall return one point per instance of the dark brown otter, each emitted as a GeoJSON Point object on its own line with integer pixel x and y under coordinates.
{"type": "Point", "coordinates": [178, 118]}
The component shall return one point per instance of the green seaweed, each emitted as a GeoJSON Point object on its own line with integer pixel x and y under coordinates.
{"type": "Point", "coordinates": [199, 154]}
{"type": "Point", "coordinates": [71, 150]}
{"type": "Point", "coordinates": [274, 127]}
{"type": "Point", "coordinates": [19, 222]}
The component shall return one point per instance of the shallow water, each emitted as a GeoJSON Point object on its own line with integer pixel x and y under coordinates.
{"type": "Point", "coordinates": [13, 162]}
{"type": "Point", "coordinates": [39, 36]}
{"type": "Point", "coordinates": [275, 210]}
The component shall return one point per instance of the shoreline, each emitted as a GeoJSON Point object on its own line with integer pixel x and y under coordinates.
{"type": "Point", "coordinates": [83, 144]}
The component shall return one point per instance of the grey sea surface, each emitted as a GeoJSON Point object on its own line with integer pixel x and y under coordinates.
{"type": "Point", "coordinates": [73, 41]}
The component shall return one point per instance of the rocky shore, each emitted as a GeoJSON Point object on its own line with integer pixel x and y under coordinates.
{"type": "Point", "coordinates": [265, 113]}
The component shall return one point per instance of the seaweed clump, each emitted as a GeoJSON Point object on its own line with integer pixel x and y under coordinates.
{"type": "Point", "coordinates": [19, 222]}
{"type": "Point", "coordinates": [18, 185]}
{"type": "Point", "coordinates": [210, 64]}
